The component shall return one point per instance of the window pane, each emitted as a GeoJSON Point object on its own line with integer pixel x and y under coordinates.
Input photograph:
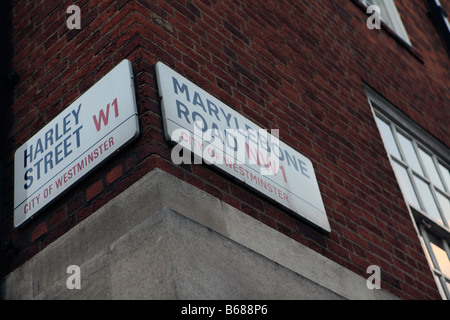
{"type": "Point", "coordinates": [427, 199]}
{"type": "Point", "coordinates": [445, 206]}
{"type": "Point", "coordinates": [410, 153]}
{"type": "Point", "coordinates": [405, 184]}
{"type": "Point", "coordinates": [445, 175]}
{"type": "Point", "coordinates": [437, 275]}
{"type": "Point", "coordinates": [448, 287]}
{"type": "Point", "coordinates": [385, 14]}
{"type": "Point", "coordinates": [440, 255]}
{"type": "Point", "coordinates": [430, 168]}
{"type": "Point", "coordinates": [367, 2]}
{"type": "Point", "coordinates": [388, 138]}
{"type": "Point", "coordinates": [390, 16]}
{"type": "Point", "coordinates": [439, 285]}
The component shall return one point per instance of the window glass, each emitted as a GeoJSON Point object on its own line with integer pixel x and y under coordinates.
{"type": "Point", "coordinates": [388, 138]}
{"type": "Point", "coordinates": [405, 184]}
{"type": "Point", "coordinates": [385, 14]}
{"type": "Point", "coordinates": [436, 274]}
{"type": "Point", "coordinates": [446, 175]}
{"type": "Point", "coordinates": [427, 199]}
{"type": "Point", "coordinates": [430, 168]}
{"type": "Point", "coordinates": [410, 153]}
{"type": "Point", "coordinates": [390, 16]}
{"type": "Point", "coordinates": [439, 285]}
{"type": "Point", "coordinates": [445, 206]}
{"type": "Point", "coordinates": [440, 255]}
{"type": "Point", "coordinates": [425, 182]}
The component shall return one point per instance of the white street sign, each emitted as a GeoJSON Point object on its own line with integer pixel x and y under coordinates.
{"type": "Point", "coordinates": [223, 138]}
{"type": "Point", "coordinates": [80, 138]}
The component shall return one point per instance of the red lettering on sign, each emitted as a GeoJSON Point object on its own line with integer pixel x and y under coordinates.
{"type": "Point", "coordinates": [105, 118]}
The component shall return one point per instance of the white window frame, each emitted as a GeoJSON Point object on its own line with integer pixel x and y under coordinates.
{"type": "Point", "coordinates": [426, 227]}
{"type": "Point", "coordinates": [390, 16]}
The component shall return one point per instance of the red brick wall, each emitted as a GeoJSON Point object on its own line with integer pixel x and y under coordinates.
{"type": "Point", "coordinates": [294, 66]}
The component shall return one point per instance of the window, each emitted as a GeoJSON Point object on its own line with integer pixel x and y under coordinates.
{"type": "Point", "coordinates": [438, 253]}
{"type": "Point", "coordinates": [390, 16]}
{"type": "Point", "coordinates": [440, 20]}
{"type": "Point", "coordinates": [421, 165]}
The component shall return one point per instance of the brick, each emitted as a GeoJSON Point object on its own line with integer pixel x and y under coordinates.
{"type": "Point", "coordinates": [94, 190]}
{"type": "Point", "coordinates": [114, 174]}
{"type": "Point", "coordinates": [195, 181]}
{"type": "Point", "coordinates": [211, 177]}
{"type": "Point", "coordinates": [87, 82]}
{"type": "Point", "coordinates": [57, 217]}
{"type": "Point", "coordinates": [214, 191]}
{"type": "Point", "coordinates": [232, 201]}
{"type": "Point", "coordinates": [295, 66]}
{"type": "Point", "coordinates": [247, 197]}
{"type": "Point", "coordinates": [39, 231]}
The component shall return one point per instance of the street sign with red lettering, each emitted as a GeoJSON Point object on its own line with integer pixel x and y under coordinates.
{"type": "Point", "coordinates": [80, 138]}
{"type": "Point", "coordinates": [222, 137]}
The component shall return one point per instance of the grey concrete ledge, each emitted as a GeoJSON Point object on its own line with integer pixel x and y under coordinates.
{"type": "Point", "coordinates": [165, 239]}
